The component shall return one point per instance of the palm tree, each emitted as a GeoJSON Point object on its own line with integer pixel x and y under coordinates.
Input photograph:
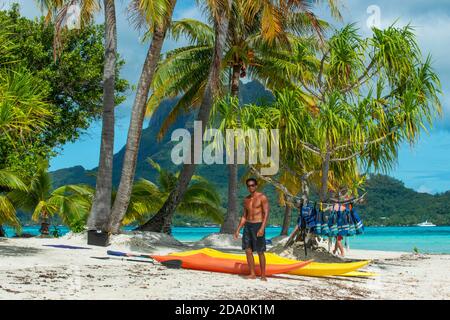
{"type": "Point", "coordinates": [38, 198]}
{"type": "Point", "coordinates": [370, 130]}
{"type": "Point", "coordinates": [154, 12]}
{"type": "Point", "coordinates": [101, 208]}
{"type": "Point", "coordinates": [219, 11]}
{"type": "Point", "coordinates": [158, 24]}
{"type": "Point", "coordinates": [99, 218]}
{"type": "Point", "coordinates": [200, 198]}
{"type": "Point", "coordinates": [73, 204]}
{"type": "Point", "coordinates": [257, 32]}
{"type": "Point", "coordinates": [255, 42]}
{"type": "Point", "coordinates": [365, 98]}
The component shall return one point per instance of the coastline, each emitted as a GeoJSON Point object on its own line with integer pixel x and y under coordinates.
{"type": "Point", "coordinates": [30, 270]}
{"type": "Point", "coordinates": [426, 240]}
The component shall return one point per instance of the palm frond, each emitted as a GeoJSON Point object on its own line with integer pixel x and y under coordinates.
{"type": "Point", "coordinates": [197, 32]}
{"type": "Point", "coordinates": [11, 180]}
{"type": "Point", "coordinates": [150, 13]}
{"type": "Point", "coordinates": [8, 212]}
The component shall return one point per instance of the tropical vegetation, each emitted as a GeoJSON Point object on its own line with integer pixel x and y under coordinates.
{"type": "Point", "coordinates": [200, 200]}
{"type": "Point", "coordinates": [36, 196]}
{"type": "Point", "coordinates": [257, 30]}
{"type": "Point", "coordinates": [355, 101]}
{"type": "Point", "coordinates": [68, 90]}
{"type": "Point", "coordinates": [47, 99]}
{"type": "Point", "coordinates": [342, 105]}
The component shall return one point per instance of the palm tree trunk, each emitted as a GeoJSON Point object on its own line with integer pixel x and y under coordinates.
{"type": "Point", "coordinates": [136, 122]}
{"type": "Point", "coordinates": [323, 195]}
{"type": "Point", "coordinates": [305, 190]}
{"type": "Point", "coordinates": [286, 220]}
{"type": "Point", "coordinates": [100, 215]}
{"type": "Point", "coordinates": [44, 230]}
{"type": "Point", "coordinates": [162, 221]}
{"type": "Point", "coordinates": [232, 219]}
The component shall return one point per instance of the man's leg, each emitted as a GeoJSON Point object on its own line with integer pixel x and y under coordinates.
{"type": "Point", "coordinates": [336, 245]}
{"type": "Point", "coordinates": [251, 263]}
{"type": "Point", "coordinates": [341, 248]}
{"type": "Point", "coordinates": [262, 265]}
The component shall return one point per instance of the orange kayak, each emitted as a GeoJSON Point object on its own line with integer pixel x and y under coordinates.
{"type": "Point", "coordinates": [203, 262]}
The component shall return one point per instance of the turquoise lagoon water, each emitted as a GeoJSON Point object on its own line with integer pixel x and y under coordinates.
{"type": "Point", "coordinates": [426, 239]}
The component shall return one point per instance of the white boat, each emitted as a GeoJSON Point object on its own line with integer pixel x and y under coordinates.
{"type": "Point", "coordinates": [426, 224]}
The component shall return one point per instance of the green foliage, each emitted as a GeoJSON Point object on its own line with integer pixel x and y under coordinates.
{"type": "Point", "coordinates": [201, 200]}
{"type": "Point", "coordinates": [71, 202]}
{"type": "Point", "coordinates": [71, 86]}
{"type": "Point", "coordinates": [8, 213]}
{"type": "Point", "coordinates": [24, 113]}
{"type": "Point", "coordinates": [78, 226]}
{"type": "Point", "coordinates": [354, 102]}
{"type": "Point", "coordinates": [55, 232]}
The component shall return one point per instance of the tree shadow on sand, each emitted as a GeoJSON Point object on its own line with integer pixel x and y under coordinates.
{"type": "Point", "coordinates": [16, 251]}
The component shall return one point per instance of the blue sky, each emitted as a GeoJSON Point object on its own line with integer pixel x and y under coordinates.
{"type": "Point", "coordinates": [424, 167]}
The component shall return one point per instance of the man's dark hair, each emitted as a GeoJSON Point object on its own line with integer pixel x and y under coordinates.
{"type": "Point", "coordinates": [250, 179]}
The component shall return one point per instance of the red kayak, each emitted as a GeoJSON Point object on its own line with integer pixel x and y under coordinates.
{"type": "Point", "coordinates": [203, 262]}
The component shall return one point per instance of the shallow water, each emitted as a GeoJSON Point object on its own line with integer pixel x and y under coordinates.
{"type": "Point", "coordinates": [425, 239]}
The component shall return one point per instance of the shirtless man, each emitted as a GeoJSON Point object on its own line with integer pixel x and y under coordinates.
{"type": "Point", "coordinates": [254, 220]}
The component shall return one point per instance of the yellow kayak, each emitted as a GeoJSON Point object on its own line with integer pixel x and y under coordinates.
{"type": "Point", "coordinates": [314, 269]}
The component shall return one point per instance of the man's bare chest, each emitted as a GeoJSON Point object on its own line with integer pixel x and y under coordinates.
{"type": "Point", "coordinates": [253, 203]}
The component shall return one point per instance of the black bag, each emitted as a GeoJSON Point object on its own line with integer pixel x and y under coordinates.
{"type": "Point", "coordinates": [98, 238]}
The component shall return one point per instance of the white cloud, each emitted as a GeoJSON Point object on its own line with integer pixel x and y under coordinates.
{"type": "Point", "coordinates": [425, 189]}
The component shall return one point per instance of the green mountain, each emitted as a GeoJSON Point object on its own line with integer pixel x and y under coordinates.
{"type": "Point", "coordinates": [388, 201]}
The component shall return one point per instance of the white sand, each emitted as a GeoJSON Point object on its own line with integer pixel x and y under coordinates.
{"type": "Point", "coordinates": [29, 270]}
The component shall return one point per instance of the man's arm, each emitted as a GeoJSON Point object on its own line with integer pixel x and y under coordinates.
{"type": "Point", "coordinates": [265, 212]}
{"type": "Point", "coordinates": [241, 223]}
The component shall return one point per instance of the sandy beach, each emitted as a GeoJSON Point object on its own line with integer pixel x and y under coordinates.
{"type": "Point", "coordinates": [31, 270]}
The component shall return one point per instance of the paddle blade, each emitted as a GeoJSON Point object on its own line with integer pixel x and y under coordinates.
{"type": "Point", "coordinates": [116, 253]}
{"type": "Point", "coordinates": [101, 258]}
{"type": "Point", "coordinates": [122, 259]}
{"type": "Point", "coordinates": [173, 264]}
